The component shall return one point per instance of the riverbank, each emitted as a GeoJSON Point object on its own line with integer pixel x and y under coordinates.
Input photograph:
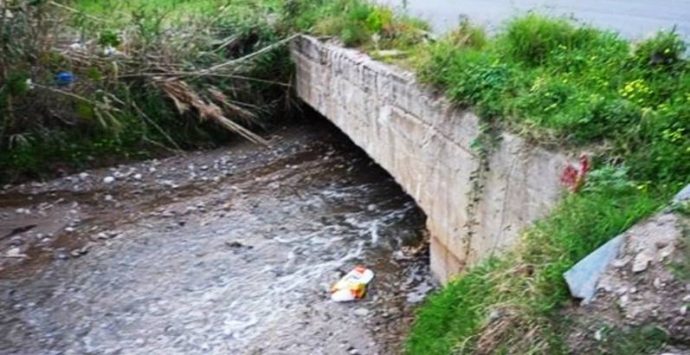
{"type": "Point", "coordinates": [230, 250]}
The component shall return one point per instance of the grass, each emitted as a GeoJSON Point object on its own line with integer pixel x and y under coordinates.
{"type": "Point", "coordinates": [526, 286]}
{"type": "Point", "coordinates": [357, 23]}
{"type": "Point", "coordinates": [557, 83]}
{"type": "Point", "coordinates": [647, 339]}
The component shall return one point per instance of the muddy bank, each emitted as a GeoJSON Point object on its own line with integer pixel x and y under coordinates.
{"type": "Point", "coordinates": [227, 251]}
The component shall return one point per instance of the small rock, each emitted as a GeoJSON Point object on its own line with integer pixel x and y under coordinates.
{"type": "Point", "coordinates": [684, 310]}
{"type": "Point", "coordinates": [641, 262]}
{"type": "Point", "coordinates": [83, 176]}
{"type": "Point", "coordinates": [686, 298]}
{"type": "Point", "coordinates": [15, 253]}
{"type": "Point", "coordinates": [361, 312]}
{"type": "Point", "coordinates": [234, 245]}
{"type": "Point", "coordinates": [69, 229]}
{"type": "Point", "coordinates": [494, 315]}
{"type": "Point", "coordinates": [657, 283]}
{"type": "Point", "coordinates": [599, 335]}
{"type": "Point", "coordinates": [108, 180]}
{"type": "Point", "coordinates": [79, 252]}
{"type": "Point", "coordinates": [398, 255]}
{"type": "Point", "coordinates": [137, 176]}
{"type": "Point", "coordinates": [109, 198]}
{"type": "Point", "coordinates": [352, 350]}
{"type": "Point", "coordinates": [624, 300]}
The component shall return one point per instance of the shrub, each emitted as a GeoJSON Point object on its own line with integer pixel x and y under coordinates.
{"type": "Point", "coordinates": [664, 50]}
{"type": "Point", "coordinates": [359, 23]}
{"type": "Point", "coordinates": [468, 35]}
{"type": "Point", "coordinates": [532, 38]}
{"type": "Point", "coordinates": [115, 108]}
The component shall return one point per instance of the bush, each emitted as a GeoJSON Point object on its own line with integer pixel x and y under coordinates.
{"type": "Point", "coordinates": [532, 38]}
{"type": "Point", "coordinates": [358, 23]}
{"type": "Point", "coordinates": [116, 109]}
{"type": "Point", "coordinates": [664, 50]}
{"type": "Point", "coordinates": [466, 35]}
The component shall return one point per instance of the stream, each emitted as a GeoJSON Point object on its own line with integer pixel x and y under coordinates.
{"type": "Point", "coordinates": [229, 251]}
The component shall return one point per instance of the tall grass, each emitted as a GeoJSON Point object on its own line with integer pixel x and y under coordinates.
{"type": "Point", "coordinates": [116, 109]}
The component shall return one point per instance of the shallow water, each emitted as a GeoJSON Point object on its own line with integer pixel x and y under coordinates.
{"type": "Point", "coordinates": [223, 252]}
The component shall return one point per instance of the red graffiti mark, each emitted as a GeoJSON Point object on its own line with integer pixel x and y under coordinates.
{"type": "Point", "coordinates": [574, 177]}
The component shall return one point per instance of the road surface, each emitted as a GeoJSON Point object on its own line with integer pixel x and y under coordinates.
{"type": "Point", "coordinates": [634, 19]}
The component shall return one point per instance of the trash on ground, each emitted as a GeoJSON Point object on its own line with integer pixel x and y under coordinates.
{"type": "Point", "coordinates": [64, 78]}
{"type": "Point", "coordinates": [352, 286]}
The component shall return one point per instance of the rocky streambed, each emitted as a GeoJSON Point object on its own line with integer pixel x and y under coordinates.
{"type": "Point", "coordinates": [230, 251]}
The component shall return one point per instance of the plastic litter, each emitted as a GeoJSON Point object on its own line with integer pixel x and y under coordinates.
{"type": "Point", "coordinates": [64, 78]}
{"type": "Point", "coordinates": [352, 286]}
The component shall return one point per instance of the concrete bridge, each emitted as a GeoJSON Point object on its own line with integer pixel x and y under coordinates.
{"type": "Point", "coordinates": [426, 145]}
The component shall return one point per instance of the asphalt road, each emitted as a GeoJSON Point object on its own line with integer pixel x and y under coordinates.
{"type": "Point", "coordinates": [632, 18]}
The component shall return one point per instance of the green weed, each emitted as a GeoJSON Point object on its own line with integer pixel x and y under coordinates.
{"type": "Point", "coordinates": [681, 264]}
{"type": "Point", "coordinates": [524, 288]}
{"type": "Point", "coordinates": [357, 23]}
{"type": "Point", "coordinates": [557, 83]}
{"type": "Point", "coordinates": [647, 339]}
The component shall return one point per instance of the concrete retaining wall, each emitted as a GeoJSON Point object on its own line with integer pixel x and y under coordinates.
{"type": "Point", "coordinates": [425, 144]}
